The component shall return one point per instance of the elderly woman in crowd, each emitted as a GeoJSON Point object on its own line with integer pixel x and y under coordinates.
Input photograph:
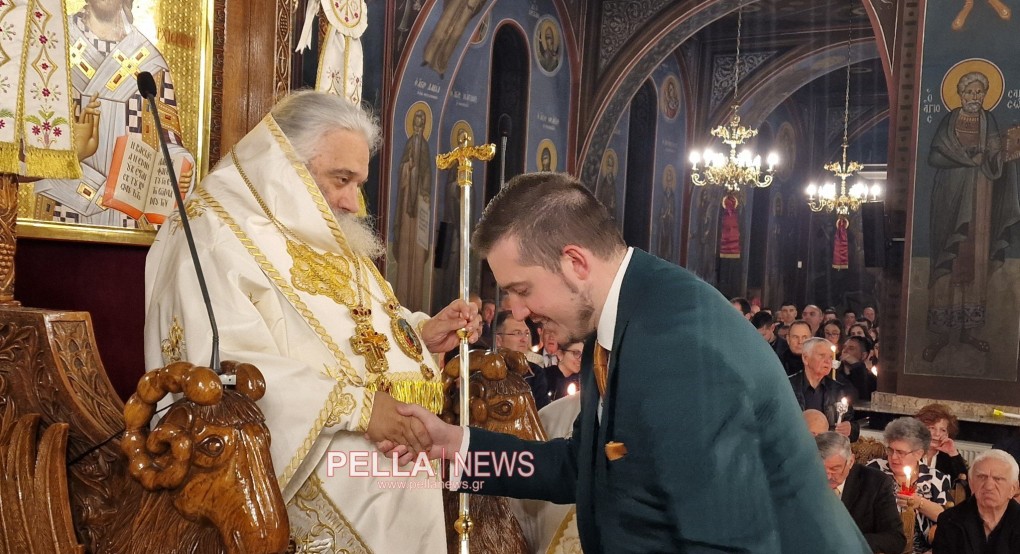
{"type": "Point", "coordinates": [942, 453]}
{"type": "Point", "coordinates": [989, 521]}
{"type": "Point", "coordinates": [907, 441]}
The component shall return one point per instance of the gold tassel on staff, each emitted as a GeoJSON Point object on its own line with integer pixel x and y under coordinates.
{"type": "Point", "coordinates": [462, 156]}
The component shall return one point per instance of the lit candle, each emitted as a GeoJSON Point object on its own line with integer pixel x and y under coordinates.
{"type": "Point", "coordinates": [835, 362]}
{"type": "Point", "coordinates": [874, 370]}
{"type": "Point", "coordinates": [906, 489]}
{"type": "Point", "coordinates": [571, 389]}
{"type": "Point", "coordinates": [840, 410]}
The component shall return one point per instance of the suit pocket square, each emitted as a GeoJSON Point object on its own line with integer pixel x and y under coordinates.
{"type": "Point", "coordinates": [615, 450]}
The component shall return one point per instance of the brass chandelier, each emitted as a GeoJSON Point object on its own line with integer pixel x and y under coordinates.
{"type": "Point", "coordinates": [735, 171]}
{"type": "Point", "coordinates": [825, 197]}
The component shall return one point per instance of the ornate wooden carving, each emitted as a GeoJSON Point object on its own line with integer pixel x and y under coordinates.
{"type": "Point", "coordinates": [501, 401]}
{"type": "Point", "coordinates": [35, 510]}
{"type": "Point", "coordinates": [8, 219]}
{"type": "Point", "coordinates": [216, 104]}
{"type": "Point", "coordinates": [49, 366]}
{"type": "Point", "coordinates": [284, 46]}
{"type": "Point", "coordinates": [210, 454]}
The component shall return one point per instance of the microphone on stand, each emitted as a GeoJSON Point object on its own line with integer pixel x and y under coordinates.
{"type": "Point", "coordinates": [504, 125]}
{"type": "Point", "coordinates": [147, 88]}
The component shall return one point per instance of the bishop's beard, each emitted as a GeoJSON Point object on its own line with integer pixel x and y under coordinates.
{"type": "Point", "coordinates": [360, 234]}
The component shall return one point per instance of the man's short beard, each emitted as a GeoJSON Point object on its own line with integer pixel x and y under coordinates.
{"type": "Point", "coordinates": [583, 315]}
{"type": "Point", "coordinates": [972, 107]}
{"type": "Point", "coordinates": [360, 234]}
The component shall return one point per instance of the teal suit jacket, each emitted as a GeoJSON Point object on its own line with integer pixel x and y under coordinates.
{"type": "Point", "coordinates": [718, 456]}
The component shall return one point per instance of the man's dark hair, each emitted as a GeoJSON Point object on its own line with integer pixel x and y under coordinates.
{"type": "Point", "coordinates": [845, 312]}
{"type": "Point", "coordinates": [800, 322]}
{"type": "Point", "coordinates": [533, 327]}
{"type": "Point", "coordinates": [745, 306]}
{"type": "Point", "coordinates": [546, 212]}
{"type": "Point", "coordinates": [788, 303]}
{"type": "Point", "coordinates": [867, 345]}
{"type": "Point", "coordinates": [830, 311]}
{"type": "Point", "coordinates": [501, 318]}
{"type": "Point", "coordinates": [762, 319]}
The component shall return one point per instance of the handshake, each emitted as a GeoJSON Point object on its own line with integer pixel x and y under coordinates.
{"type": "Point", "coordinates": [404, 430]}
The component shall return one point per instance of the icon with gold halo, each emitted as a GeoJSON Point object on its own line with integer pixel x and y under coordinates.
{"type": "Point", "coordinates": [996, 83]}
{"type": "Point", "coordinates": [461, 130]}
{"type": "Point", "coordinates": [546, 156]}
{"type": "Point", "coordinates": [418, 110]}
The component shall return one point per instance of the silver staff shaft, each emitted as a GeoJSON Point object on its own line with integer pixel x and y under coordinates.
{"type": "Point", "coordinates": [464, 178]}
{"type": "Point", "coordinates": [462, 156]}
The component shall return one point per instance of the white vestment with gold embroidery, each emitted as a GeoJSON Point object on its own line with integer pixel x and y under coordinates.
{"type": "Point", "coordinates": [319, 392]}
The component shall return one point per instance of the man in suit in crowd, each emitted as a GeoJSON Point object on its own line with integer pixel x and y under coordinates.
{"type": "Point", "coordinates": [764, 323]}
{"type": "Point", "coordinates": [689, 439]}
{"type": "Point", "coordinates": [866, 492]}
{"type": "Point", "coordinates": [514, 334]}
{"type": "Point", "coordinates": [787, 313]}
{"type": "Point", "coordinates": [793, 357]}
{"type": "Point", "coordinates": [813, 316]}
{"type": "Point", "coordinates": [815, 389]}
{"type": "Point", "coordinates": [989, 521]}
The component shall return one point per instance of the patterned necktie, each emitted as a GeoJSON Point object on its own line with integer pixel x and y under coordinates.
{"type": "Point", "coordinates": [601, 365]}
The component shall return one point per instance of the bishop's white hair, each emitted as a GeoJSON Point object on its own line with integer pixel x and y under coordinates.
{"type": "Point", "coordinates": [306, 116]}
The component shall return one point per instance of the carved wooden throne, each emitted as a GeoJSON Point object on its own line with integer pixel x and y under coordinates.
{"type": "Point", "coordinates": [501, 401]}
{"type": "Point", "coordinates": [54, 392]}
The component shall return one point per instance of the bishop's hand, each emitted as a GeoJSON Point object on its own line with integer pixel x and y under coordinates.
{"type": "Point", "coordinates": [387, 424]}
{"type": "Point", "coordinates": [440, 332]}
{"type": "Point", "coordinates": [446, 438]}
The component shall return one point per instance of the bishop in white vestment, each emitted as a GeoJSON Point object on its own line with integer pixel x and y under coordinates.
{"type": "Point", "coordinates": [293, 298]}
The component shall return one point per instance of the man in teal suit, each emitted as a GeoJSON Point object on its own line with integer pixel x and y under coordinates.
{"type": "Point", "coordinates": [691, 440]}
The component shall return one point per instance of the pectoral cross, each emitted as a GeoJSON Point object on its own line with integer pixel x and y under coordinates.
{"type": "Point", "coordinates": [369, 343]}
{"type": "Point", "coordinates": [128, 66]}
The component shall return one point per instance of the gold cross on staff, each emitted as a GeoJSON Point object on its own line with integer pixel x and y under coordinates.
{"type": "Point", "coordinates": [463, 155]}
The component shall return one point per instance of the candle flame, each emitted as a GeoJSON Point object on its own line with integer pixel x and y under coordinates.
{"type": "Point", "coordinates": [571, 389]}
{"type": "Point", "coordinates": [874, 371]}
{"type": "Point", "coordinates": [906, 472]}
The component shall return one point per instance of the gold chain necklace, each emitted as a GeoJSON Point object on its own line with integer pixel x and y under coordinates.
{"type": "Point", "coordinates": [330, 275]}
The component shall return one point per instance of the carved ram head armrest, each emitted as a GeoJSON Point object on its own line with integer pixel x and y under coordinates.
{"type": "Point", "coordinates": [209, 454]}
